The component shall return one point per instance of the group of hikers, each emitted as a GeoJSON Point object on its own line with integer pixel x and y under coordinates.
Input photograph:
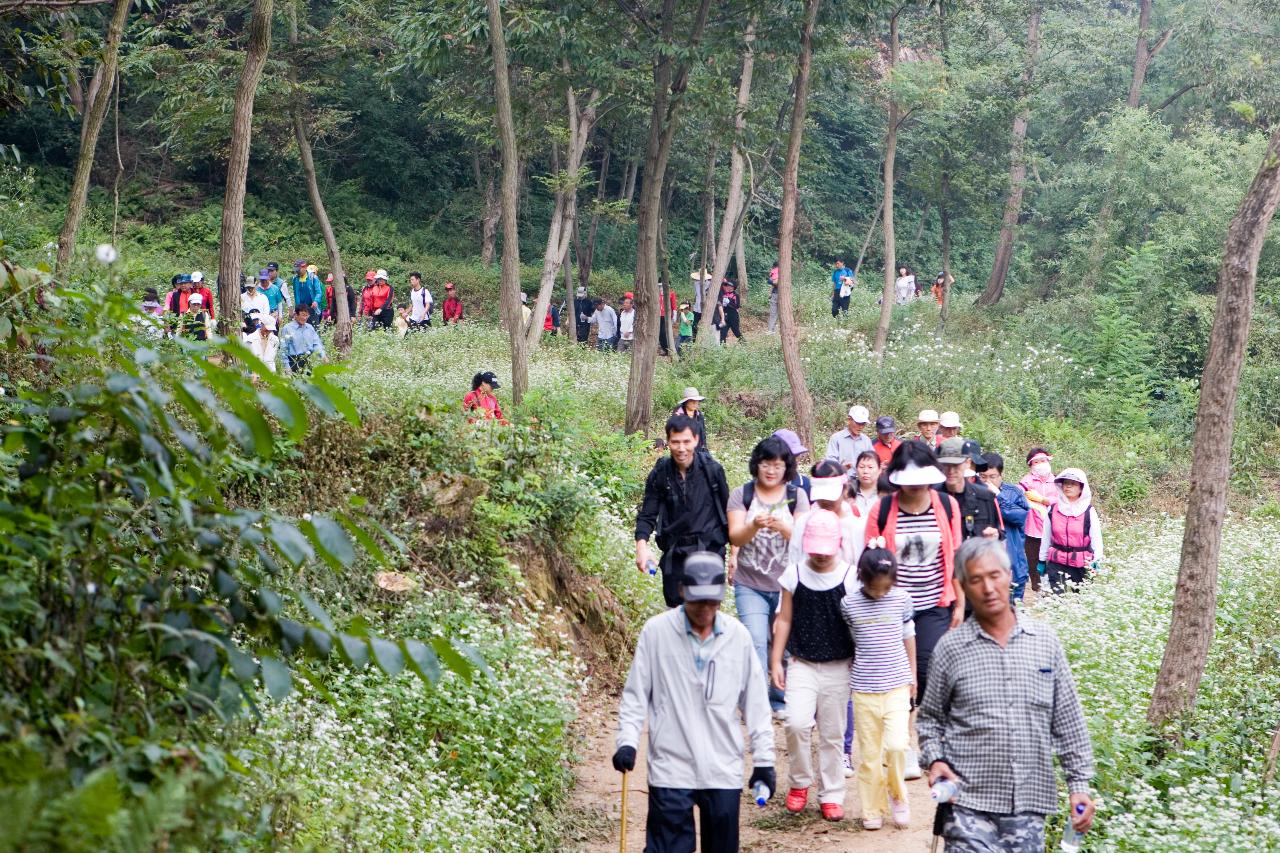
{"type": "Point", "coordinates": [882, 590]}
{"type": "Point", "coordinates": [906, 287]}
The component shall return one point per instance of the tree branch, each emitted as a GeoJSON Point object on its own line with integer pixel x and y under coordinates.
{"type": "Point", "coordinates": [51, 5]}
{"type": "Point", "coordinates": [1161, 43]}
{"type": "Point", "coordinates": [1182, 91]}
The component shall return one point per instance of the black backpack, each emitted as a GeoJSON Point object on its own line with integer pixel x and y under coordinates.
{"type": "Point", "coordinates": [883, 517]}
{"type": "Point", "coordinates": [749, 494]}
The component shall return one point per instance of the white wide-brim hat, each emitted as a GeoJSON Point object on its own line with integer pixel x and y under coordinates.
{"type": "Point", "coordinates": [914, 475]}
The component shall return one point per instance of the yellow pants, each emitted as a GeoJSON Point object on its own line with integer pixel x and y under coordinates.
{"type": "Point", "coordinates": [881, 720]}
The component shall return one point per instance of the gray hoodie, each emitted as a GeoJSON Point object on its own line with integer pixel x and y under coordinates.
{"type": "Point", "coordinates": [695, 737]}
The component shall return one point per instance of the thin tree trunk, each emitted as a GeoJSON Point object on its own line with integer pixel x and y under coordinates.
{"type": "Point", "coordinates": [99, 100]}
{"type": "Point", "coordinates": [740, 262]}
{"type": "Point", "coordinates": [801, 400]}
{"type": "Point", "coordinates": [1195, 597]}
{"type": "Point", "coordinates": [710, 286]}
{"type": "Point", "coordinates": [866, 243]}
{"type": "Point", "coordinates": [890, 248]}
{"type": "Point", "coordinates": [629, 183]}
{"type": "Point", "coordinates": [586, 252]}
{"type": "Point", "coordinates": [734, 203]}
{"type": "Point", "coordinates": [664, 261]}
{"type": "Point", "coordinates": [670, 82]}
{"type": "Point", "coordinates": [489, 219]}
{"type": "Point", "coordinates": [1017, 171]}
{"type": "Point", "coordinates": [341, 312]}
{"type": "Point", "coordinates": [510, 292]}
{"type": "Point", "coordinates": [924, 219]}
{"type": "Point", "coordinates": [944, 311]}
{"type": "Point", "coordinates": [231, 239]}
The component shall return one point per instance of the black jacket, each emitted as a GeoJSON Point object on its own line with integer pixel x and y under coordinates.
{"type": "Point", "coordinates": [978, 510]}
{"type": "Point", "coordinates": [688, 513]}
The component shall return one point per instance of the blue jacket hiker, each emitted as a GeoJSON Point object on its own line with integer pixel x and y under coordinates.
{"type": "Point", "coordinates": [1014, 508]}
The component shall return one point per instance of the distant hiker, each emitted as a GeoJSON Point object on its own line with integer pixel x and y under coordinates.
{"type": "Point", "coordinates": [927, 424]}
{"type": "Point", "coordinates": [701, 283]}
{"type": "Point", "coordinates": [695, 678]}
{"type": "Point", "coordinates": [864, 491]}
{"type": "Point", "coordinates": [264, 343]}
{"type": "Point", "coordinates": [605, 319]}
{"type": "Point", "coordinates": [583, 308]}
{"type": "Point", "coordinates": [207, 296]}
{"type": "Point", "coordinates": [300, 341]}
{"type": "Point", "coordinates": [904, 287]}
{"type": "Point", "coordinates": [1001, 703]}
{"type": "Point", "coordinates": [773, 298]}
{"type": "Point", "coordinates": [979, 513]}
{"type": "Point", "coordinates": [685, 328]}
{"type": "Point", "coordinates": [331, 313]}
{"type": "Point", "coordinates": [940, 288]}
{"type": "Point", "coordinates": [879, 616]}
{"type": "Point", "coordinates": [685, 498]}
{"type": "Point", "coordinates": [809, 626]}
{"type": "Point", "coordinates": [801, 454]}
{"type": "Point", "coordinates": [151, 303]}
{"type": "Point", "coordinates": [196, 322]}
{"type": "Point", "coordinates": [481, 402]}
{"type": "Point", "coordinates": [551, 322]}
{"type": "Point", "coordinates": [1014, 511]}
{"type": "Point", "coordinates": [841, 289]}
{"type": "Point", "coordinates": [417, 313]}
{"type": "Point", "coordinates": [307, 292]}
{"type": "Point", "coordinates": [376, 303]}
{"type": "Point", "coordinates": [626, 324]}
{"type": "Point", "coordinates": [727, 308]}
{"type": "Point", "coordinates": [664, 306]}
{"type": "Point", "coordinates": [271, 290]}
{"type": "Point", "coordinates": [949, 426]}
{"type": "Point", "coordinates": [690, 406]}
{"type": "Point", "coordinates": [921, 526]}
{"type": "Point", "coordinates": [887, 440]}
{"type": "Point", "coordinates": [526, 313]}
{"type": "Point", "coordinates": [274, 270]}
{"type": "Point", "coordinates": [254, 305]}
{"type": "Point", "coordinates": [1072, 542]}
{"type": "Point", "coordinates": [761, 514]}
{"type": "Point", "coordinates": [1042, 492]}
{"type": "Point", "coordinates": [451, 310]}
{"type": "Point", "coordinates": [845, 445]}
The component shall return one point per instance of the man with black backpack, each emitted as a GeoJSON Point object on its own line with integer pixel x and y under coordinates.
{"type": "Point", "coordinates": [685, 500]}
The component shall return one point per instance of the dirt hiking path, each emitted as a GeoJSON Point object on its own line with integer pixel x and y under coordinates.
{"type": "Point", "coordinates": [594, 807]}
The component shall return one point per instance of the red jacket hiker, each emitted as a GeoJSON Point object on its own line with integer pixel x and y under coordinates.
{"type": "Point", "coordinates": [451, 311]}
{"type": "Point", "coordinates": [485, 406]}
{"type": "Point", "coordinates": [375, 297]}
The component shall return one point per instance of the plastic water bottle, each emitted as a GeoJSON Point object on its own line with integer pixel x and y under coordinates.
{"type": "Point", "coordinates": [761, 792]}
{"type": "Point", "coordinates": [944, 791]}
{"type": "Point", "coordinates": [1072, 838]}
{"type": "Point", "coordinates": [652, 567]}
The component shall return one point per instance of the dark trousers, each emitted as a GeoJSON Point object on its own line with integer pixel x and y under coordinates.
{"type": "Point", "coordinates": [381, 319]}
{"type": "Point", "coordinates": [671, 566]}
{"type": "Point", "coordinates": [839, 305]}
{"type": "Point", "coordinates": [1033, 557]}
{"type": "Point", "coordinates": [697, 321]}
{"type": "Point", "coordinates": [298, 363]}
{"type": "Point", "coordinates": [669, 827]}
{"type": "Point", "coordinates": [729, 323]}
{"type": "Point", "coordinates": [663, 342]}
{"type": "Point", "coordinates": [1060, 574]}
{"type": "Point", "coordinates": [931, 624]}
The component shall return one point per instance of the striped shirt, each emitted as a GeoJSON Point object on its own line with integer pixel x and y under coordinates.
{"type": "Point", "coordinates": [879, 626]}
{"type": "Point", "coordinates": [919, 544]}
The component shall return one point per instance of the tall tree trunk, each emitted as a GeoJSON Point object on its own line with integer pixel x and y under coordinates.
{"type": "Point", "coordinates": [510, 292]}
{"type": "Point", "coordinates": [890, 247]}
{"type": "Point", "coordinates": [99, 99]}
{"type": "Point", "coordinates": [629, 183]}
{"type": "Point", "coordinates": [669, 83]}
{"type": "Point", "coordinates": [341, 312]}
{"type": "Point", "coordinates": [801, 400]}
{"type": "Point", "coordinates": [866, 243]}
{"type": "Point", "coordinates": [734, 203]}
{"type": "Point", "coordinates": [1017, 171]}
{"type": "Point", "coordinates": [1195, 598]}
{"type": "Point", "coordinates": [231, 239]}
{"type": "Point", "coordinates": [710, 286]}
{"type": "Point", "coordinates": [586, 252]}
{"type": "Point", "coordinates": [492, 213]}
{"type": "Point", "coordinates": [944, 310]}
{"type": "Point", "coordinates": [740, 263]}
{"type": "Point", "coordinates": [565, 217]}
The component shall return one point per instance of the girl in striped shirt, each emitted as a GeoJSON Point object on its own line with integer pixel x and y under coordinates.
{"type": "Point", "coordinates": [879, 616]}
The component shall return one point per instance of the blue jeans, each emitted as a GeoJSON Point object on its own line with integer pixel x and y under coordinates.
{"type": "Point", "coordinates": [755, 611]}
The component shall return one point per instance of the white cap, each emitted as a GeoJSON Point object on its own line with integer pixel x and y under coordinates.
{"type": "Point", "coordinates": [267, 322]}
{"type": "Point", "coordinates": [927, 416]}
{"type": "Point", "coordinates": [860, 414]}
{"type": "Point", "coordinates": [195, 299]}
{"type": "Point", "coordinates": [197, 277]}
{"type": "Point", "coordinates": [950, 420]}
{"type": "Point", "coordinates": [827, 488]}
{"type": "Point", "coordinates": [380, 274]}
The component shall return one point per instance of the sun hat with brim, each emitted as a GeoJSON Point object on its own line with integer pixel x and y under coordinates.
{"type": "Point", "coordinates": [1074, 475]}
{"type": "Point", "coordinates": [950, 420]}
{"type": "Point", "coordinates": [822, 533]}
{"type": "Point", "coordinates": [827, 488]}
{"type": "Point", "coordinates": [915, 475]}
{"type": "Point", "coordinates": [860, 414]}
{"type": "Point", "coordinates": [951, 451]}
{"type": "Point", "coordinates": [700, 276]}
{"type": "Point", "coordinates": [703, 578]}
{"type": "Point", "coordinates": [927, 416]}
{"type": "Point", "coordinates": [690, 394]}
{"type": "Point", "coordinates": [380, 274]}
{"type": "Point", "coordinates": [791, 440]}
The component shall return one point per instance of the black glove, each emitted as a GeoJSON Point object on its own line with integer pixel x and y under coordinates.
{"type": "Point", "coordinates": [624, 760]}
{"type": "Point", "coordinates": [765, 775]}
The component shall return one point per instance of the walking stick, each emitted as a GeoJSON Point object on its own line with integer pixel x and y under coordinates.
{"type": "Point", "coordinates": [622, 835]}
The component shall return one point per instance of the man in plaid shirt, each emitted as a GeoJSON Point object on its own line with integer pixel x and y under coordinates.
{"type": "Point", "coordinates": [1001, 703]}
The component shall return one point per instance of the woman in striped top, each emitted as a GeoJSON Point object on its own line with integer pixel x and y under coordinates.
{"type": "Point", "coordinates": [921, 526]}
{"type": "Point", "coordinates": [879, 617]}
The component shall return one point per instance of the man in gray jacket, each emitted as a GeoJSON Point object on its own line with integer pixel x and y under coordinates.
{"type": "Point", "coordinates": [694, 670]}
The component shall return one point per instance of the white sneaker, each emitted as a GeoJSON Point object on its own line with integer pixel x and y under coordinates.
{"type": "Point", "coordinates": [848, 767]}
{"type": "Point", "coordinates": [912, 770]}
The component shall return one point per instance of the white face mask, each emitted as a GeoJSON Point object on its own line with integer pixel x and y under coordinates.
{"type": "Point", "coordinates": [1042, 469]}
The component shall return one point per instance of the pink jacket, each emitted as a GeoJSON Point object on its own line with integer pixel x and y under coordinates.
{"type": "Point", "coordinates": [1049, 491]}
{"type": "Point", "coordinates": [1071, 544]}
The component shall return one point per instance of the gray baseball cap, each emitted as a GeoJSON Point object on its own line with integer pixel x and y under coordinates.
{"type": "Point", "coordinates": [703, 577]}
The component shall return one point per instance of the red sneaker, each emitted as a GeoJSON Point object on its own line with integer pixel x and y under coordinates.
{"type": "Point", "coordinates": [832, 811]}
{"type": "Point", "coordinates": [796, 799]}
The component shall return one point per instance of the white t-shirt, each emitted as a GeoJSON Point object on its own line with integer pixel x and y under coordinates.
{"type": "Point", "coordinates": [627, 324]}
{"type": "Point", "coordinates": [820, 581]}
{"type": "Point", "coordinates": [255, 301]}
{"type": "Point", "coordinates": [419, 304]}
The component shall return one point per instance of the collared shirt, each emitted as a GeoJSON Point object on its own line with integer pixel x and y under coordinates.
{"type": "Point", "coordinates": [702, 648]}
{"type": "Point", "coordinates": [998, 714]}
{"type": "Point", "coordinates": [846, 447]}
{"type": "Point", "coordinates": [300, 339]}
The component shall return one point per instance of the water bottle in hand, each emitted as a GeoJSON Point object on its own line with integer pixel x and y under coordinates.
{"type": "Point", "coordinates": [652, 567]}
{"type": "Point", "coordinates": [944, 790]}
{"type": "Point", "coordinates": [1072, 838]}
{"type": "Point", "coordinates": [761, 792]}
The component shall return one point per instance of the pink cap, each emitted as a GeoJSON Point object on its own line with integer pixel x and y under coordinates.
{"type": "Point", "coordinates": [822, 533]}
